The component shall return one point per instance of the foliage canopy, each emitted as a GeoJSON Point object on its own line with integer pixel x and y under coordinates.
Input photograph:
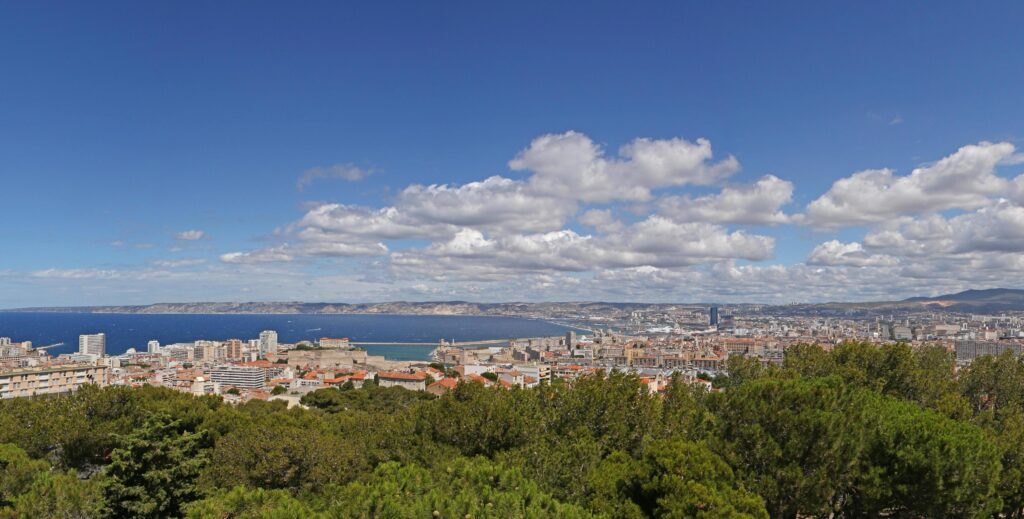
{"type": "Point", "coordinates": [858, 431]}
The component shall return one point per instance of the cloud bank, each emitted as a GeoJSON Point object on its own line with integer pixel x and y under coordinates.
{"type": "Point", "coordinates": [655, 219]}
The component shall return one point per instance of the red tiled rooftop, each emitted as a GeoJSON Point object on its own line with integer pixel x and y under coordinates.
{"type": "Point", "coordinates": [401, 375]}
{"type": "Point", "coordinates": [482, 380]}
{"type": "Point", "coordinates": [449, 383]}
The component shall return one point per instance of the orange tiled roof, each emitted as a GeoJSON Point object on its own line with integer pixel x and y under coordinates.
{"type": "Point", "coordinates": [449, 383]}
{"type": "Point", "coordinates": [400, 375]}
{"type": "Point", "coordinates": [482, 380]}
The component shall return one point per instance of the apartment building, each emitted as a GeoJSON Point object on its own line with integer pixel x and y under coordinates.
{"type": "Point", "coordinates": [242, 377]}
{"type": "Point", "coordinates": [51, 379]}
{"type": "Point", "coordinates": [93, 344]}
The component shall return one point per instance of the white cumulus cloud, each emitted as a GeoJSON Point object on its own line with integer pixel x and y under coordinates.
{"type": "Point", "coordinates": [571, 166]}
{"type": "Point", "coordinates": [964, 180]}
{"type": "Point", "coordinates": [834, 252]}
{"type": "Point", "coordinates": [757, 203]}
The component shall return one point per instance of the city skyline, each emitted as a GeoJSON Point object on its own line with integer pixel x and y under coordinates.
{"type": "Point", "coordinates": [531, 153]}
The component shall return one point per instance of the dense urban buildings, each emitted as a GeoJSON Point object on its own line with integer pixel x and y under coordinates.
{"type": "Point", "coordinates": [654, 342]}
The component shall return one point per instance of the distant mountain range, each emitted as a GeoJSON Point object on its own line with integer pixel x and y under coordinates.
{"type": "Point", "coordinates": [548, 310]}
{"type": "Point", "coordinates": [992, 298]}
{"type": "Point", "coordinates": [989, 300]}
{"type": "Point", "coordinates": [968, 301]}
{"type": "Point", "coordinates": [988, 295]}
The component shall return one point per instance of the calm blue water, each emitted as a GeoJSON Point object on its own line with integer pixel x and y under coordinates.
{"type": "Point", "coordinates": [135, 330]}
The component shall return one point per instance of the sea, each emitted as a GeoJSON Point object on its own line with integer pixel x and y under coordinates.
{"type": "Point", "coordinates": [135, 330]}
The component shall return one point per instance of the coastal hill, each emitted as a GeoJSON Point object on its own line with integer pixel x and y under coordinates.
{"type": "Point", "coordinates": [988, 300]}
{"type": "Point", "coordinates": [968, 301]}
{"type": "Point", "coordinates": [993, 296]}
{"type": "Point", "coordinates": [400, 307]}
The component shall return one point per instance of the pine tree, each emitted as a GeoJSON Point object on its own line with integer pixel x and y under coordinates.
{"type": "Point", "coordinates": [153, 470]}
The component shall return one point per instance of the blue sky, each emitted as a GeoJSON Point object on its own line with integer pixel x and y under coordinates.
{"type": "Point", "coordinates": [125, 124]}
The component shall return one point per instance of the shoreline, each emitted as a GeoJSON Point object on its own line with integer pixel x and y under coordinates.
{"type": "Point", "coordinates": [428, 356]}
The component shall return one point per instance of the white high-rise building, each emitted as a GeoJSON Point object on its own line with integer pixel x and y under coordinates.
{"type": "Point", "coordinates": [94, 344]}
{"type": "Point", "coordinates": [253, 353]}
{"type": "Point", "coordinates": [268, 342]}
{"type": "Point", "coordinates": [244, 377]}
{"type": "Point", "coordinates": [153, 347]}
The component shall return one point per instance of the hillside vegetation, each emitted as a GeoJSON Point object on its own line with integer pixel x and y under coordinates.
{"type": "Point", "coordinates": [857, 432]}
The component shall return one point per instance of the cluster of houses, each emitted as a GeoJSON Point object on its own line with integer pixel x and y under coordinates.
{"type": "Point", "coordinates": [263, 369]}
